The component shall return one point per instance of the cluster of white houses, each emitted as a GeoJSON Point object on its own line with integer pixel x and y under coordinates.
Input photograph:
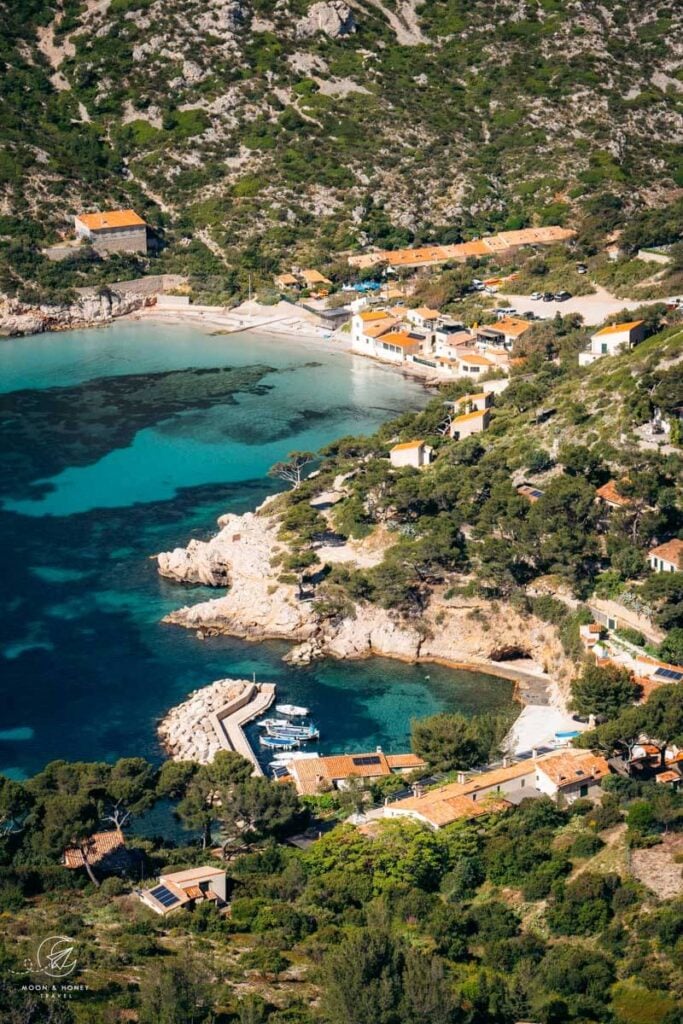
{"type": "Point", "coordinates": [425, 338]}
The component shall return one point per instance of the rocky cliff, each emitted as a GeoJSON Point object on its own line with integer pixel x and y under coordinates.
{"type": "Point", "coordinates": [18, 318]}
{"type": "Point", "coordinates": [258, 606]}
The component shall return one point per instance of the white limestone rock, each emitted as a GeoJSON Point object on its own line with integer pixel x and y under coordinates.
{"type": "Point", "coordinates": [333, 18]}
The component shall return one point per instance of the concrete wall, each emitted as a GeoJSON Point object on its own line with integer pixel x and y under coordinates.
{"type": "Point", "coordinates": [120, 240]}
{"type": "Point", "coordinates": [155, 284]}
{"type": "Point", "coordinates": [172, 301]}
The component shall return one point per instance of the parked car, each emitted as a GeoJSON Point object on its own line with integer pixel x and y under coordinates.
{"type": "Point", "coordinates": [562, 296]}
{"type": "Point", "coordinates": [548, 297]}
{"type": "Point", "coordinates": [582, 269]}
{"type": "Point", "coordinates": [536, 296]}
{"type": "Point", "coordinates": [529, 315]}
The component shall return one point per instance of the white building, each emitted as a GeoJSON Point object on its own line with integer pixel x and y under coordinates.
{"type": "Point", "coordinates": [611, 340]}
{"type": "Point", "coordinates": [411, 453]}
{"type": "Point", "coordinates": [396, 346]}
{"type": "Point", "coordinates": [667, 557]}
{"type": "Point", "coordinates": [469, 423]}
{"type": "Point", "coordinates": [180, 888]}
{"type": "Point", "coordinates": [503, 334]}
{"type": "Point", "coordinates": [565, 776]}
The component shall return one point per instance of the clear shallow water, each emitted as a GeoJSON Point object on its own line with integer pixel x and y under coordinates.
{"type": "Point", "coordinates": [118, 443]}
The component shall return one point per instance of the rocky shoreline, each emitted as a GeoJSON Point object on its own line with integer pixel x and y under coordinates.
{"type": "Point", "coordinates": [463, 632]}
{"type": "Point", "coordinates": [19, 319]}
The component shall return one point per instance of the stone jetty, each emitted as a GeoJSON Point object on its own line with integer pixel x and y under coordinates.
{"type": "Point", "coordinates": [211, 719]}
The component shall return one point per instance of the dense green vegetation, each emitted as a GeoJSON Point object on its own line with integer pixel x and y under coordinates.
{"type": "Point", "coordinates": [528, 914]}
{"type": "Point", "coordinates": [284, 147]}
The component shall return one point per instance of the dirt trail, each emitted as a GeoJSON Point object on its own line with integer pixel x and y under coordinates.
{"type": "Point", "coordinates": [405, 23]}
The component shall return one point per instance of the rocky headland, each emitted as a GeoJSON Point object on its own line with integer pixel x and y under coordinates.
{"type": "Point", "coordinates": [467, 632]}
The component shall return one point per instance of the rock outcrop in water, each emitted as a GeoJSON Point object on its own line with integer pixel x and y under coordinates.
{"type": "Point", "coordinates": [465, 631]}
{"type": "Point", "coordinates": [18, 319]}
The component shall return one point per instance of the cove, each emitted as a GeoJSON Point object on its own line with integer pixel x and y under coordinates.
{"type": "Point", "coordinates": [117, 443]}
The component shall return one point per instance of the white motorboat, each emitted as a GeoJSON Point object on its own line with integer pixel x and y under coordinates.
{"type": "Point", "coordinates": [295, 755]}
{"type": "Point", "coordinates": [292, 710]}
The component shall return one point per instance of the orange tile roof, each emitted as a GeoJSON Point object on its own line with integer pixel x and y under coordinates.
{"type": "Point", "coordinates": [670, 551]}
{"type": "Point", "coordinates": [111, 219]}
{"type": "Point", "coordinates": [618, 328]}
{"type": "Point", "coordinates": [426, 313]}
{"type": "Point", "coordinates": [379, 327]}
{"type": "Point", "coordinates": [405, 445]}
{"type": "Point", "coordinates": [401, 339]}
{"type": "Point", "coordinates": [461, 250]}
{"type": "Point", "coordinates": [566, 769]}
{"type": "Point", "coordinates": [447, 803]}
{"type": "Point", "coordinates": [608, 492]}
{"type": "Point", "coordinates": [368, 315]}
{"type": "Point", "coordinates": [472, 357]}
{"type": "Point", "coordinates": [405, 761]}
{"type": "Point", "coordinates": [100, 845]}
{"type": "Point", "coordinates": [477, 414]}
{"type": "Point", "coordinates": [286, 279]}
{"type": "Point", "coordinates": [668, 776]}
{"type": "Point", "coordinates": [471, 398]}
{"type": "Point", "coordinates": [511, 325]}
{"type": "Point", "coordinates": [309, 773]}
{"type": "Point", "coordinates": [314, 277]}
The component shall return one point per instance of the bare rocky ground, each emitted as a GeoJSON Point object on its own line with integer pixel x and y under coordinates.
{"type": "Point", "coordinates": [658, 869]}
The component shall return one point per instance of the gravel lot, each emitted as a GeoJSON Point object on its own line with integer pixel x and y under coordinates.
{"type": "Point", "coordinates": [593, 308]}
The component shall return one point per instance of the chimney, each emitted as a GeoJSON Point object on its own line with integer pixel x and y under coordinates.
{"type": "Point", "coordinates": [461, 777]}
{"type": "Point", "coordinates": [506, 762]}
{"type": "Point", "coordinates": [534, 753]}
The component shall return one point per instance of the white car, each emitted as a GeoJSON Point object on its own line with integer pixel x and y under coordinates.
{"type": "Point", "coordinates": [536, 296]}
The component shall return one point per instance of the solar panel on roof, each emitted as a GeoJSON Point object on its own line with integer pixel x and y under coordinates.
{"type": "Point", "coordinates": [537, 494]}
{"type": "Point", "coordinates": [668, 673]}
{"type": "Point", "coordinates": [164, 896]}
{"type": "Point", "coordinates": [367, 760]}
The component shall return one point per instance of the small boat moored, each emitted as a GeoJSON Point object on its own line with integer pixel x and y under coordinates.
{"type": "Point", "coordinates": [279, 743]}
{"type": "Point", "coordinates": [292, 710]}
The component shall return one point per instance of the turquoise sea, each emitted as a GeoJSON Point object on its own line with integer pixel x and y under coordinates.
{"type": "Point", "coordinates": [120, 442]}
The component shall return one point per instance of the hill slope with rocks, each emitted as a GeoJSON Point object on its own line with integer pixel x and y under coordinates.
{"type": "Point", "coordinates": [251, 133]}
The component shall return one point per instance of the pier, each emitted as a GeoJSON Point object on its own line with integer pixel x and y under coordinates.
{"type": "Point", "coordinates": [228, 722]}
{"type": "Point", "coordinates": [212, 719]}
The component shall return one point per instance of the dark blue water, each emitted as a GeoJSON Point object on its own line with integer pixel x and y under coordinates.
{"type": "Point", "coordinates": [118, 443]}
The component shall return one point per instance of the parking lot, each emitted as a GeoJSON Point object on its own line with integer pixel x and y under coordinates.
{"type": "Point", "coordinates": [593, 308]}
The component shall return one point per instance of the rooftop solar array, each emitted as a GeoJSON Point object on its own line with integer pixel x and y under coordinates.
{"type": "Point", "coordinates": [164, 896]}
{"type": "Point", "coordinates": [367, 760]}
{"type": "Point", "coordinates": [668, 673]}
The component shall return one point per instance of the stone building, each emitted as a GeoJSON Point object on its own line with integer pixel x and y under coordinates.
{"type": "Point", "coordinates": [113, 231]}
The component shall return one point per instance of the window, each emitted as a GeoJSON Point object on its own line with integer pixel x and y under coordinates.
{"type": "Point", "coordinates": [603, 348]}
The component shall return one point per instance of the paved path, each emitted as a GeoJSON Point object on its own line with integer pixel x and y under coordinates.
{"type": "Point", "coordinates": [228, 723]}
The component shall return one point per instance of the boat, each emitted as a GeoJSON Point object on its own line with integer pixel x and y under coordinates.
{"type": "Point", "coordinates": [292, 710]}
{"type": "Point", "coordinates": [296, 755]}
{"type": "Point", "coordinates": [303, 732]}
{"type": "Point", "coordinates": [278, 743]}
{"type": "Point", "coordinates": [273, 723]}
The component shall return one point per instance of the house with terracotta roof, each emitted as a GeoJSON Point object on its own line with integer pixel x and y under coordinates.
{"type": "Point", "coordinates": [473, 363]}
{"type": "Point", "coordinates": [368, 324]}
{"type": "Point", "coordinates": [502, 334]}
{"type": "Point", "coordinates": [611, 340]}
{"type": "Point", "coordinates": [609, 495]}
{"type": "Point", "coordinates": [423, 317]}
{"type": "Point", "coordinates": [469, 423]}
{"type": "Point", "coordinates": [321, 774]}
{"type": "Point", "coordinates": [314, 279]}
{"type": "Point", "coordinates": [185, 889]}
{"type": "Point", "coordinates": [478, 402]}
{"type": "Point", "coordinates": [667, 557]}
{"type": "Point", "coordinates": [112, 231]}
{"type": "Point", "coordinates": [287, 281]}
{"type": "Point", "coordinates": [565, 776]}
{"type": "Point", "coordinates": [411, 453]}
{"type": "Point", "coordinates": [105, 850]}
{"type": "Point", "coordinates": [396, 346]}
